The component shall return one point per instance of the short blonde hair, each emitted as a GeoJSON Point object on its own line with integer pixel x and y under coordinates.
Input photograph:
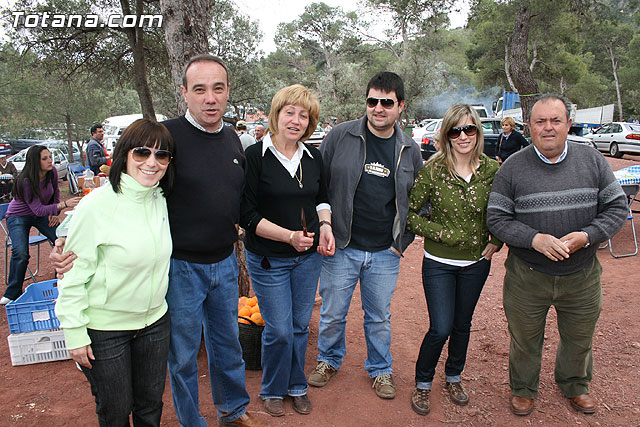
{"type": "Point", "coordinates": [295, 95]}
{"type": "Point", "coordinates": [509, 121]}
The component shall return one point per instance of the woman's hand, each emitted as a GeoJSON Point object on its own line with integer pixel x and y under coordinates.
{"type": "Point", "coordinates": [299, 242]}
{"type": "Point", "coordinates": [82, 356]}
{"type": "Point", "coordinates": [54, 221]}
{"type": "Point", "coordinates": [72, 202]}
{"type": "Point", "coordinates": [327, 243]}
{"type": "Point", "coordinates": [488, 251]}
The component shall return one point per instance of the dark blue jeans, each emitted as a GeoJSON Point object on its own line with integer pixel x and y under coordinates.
{"type": "Point", "coordinates": [129, 373]}
{"type": "Point", "coordinates": [452, 294]}
{"type": "Point", "coordinates": [19, 228]}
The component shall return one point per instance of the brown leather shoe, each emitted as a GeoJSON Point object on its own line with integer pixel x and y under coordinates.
{"type": "Point", "coordinates": [521, 405]}
{"type": "Point", "coordinates": [583, 403]}
{"type": "Point", "coordinates": [302, 404]}
{"type": "Point", "coordinates": [274, 407]}
{"type": "Point", "coordinates": [246, 420]}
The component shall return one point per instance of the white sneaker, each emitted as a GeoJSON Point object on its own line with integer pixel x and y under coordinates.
{"type": "Point", "coordinates": [5, 301]}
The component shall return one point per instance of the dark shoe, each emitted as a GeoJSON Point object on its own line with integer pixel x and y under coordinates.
{"type": "Point", "coordinates": [302, 404]}
{"type": "Point", "coordinates": [457, 394]}
{"type": "Point", "coordinates": [420, 401]}
{"type": "Point", "coordinates": [385, 387]}
{"type": "Point", "coordinates": [274, 407]}
{"type": "Point", "coordinates": [321, 375]}
{"type": "Point", "coordinates": [246, 420]}
{"type": "Point", "coordinates": [584, 403]}
{"type": "Point", "coordinates": [521, 405]}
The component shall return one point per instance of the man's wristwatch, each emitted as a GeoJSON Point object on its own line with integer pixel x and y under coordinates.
{"type": "Point", "coordinates": [588, 242]}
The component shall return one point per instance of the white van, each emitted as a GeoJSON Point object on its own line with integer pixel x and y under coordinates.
{"type": "Point", "coordinates": [115, 125]}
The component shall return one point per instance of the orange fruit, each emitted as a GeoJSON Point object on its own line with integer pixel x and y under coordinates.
{"type": "Point", "coordinates": [257, 318]}
{"type": "Point", "coordinates": [242, 301]}
{"type": "Point", "coordinates": [244, 311]}
{"type": "Point", "coordinates": [245, 321]}
{"type": "Point", "coordinates": [252, 301]}
{"type": "Point", "coordinates": [255, 309]}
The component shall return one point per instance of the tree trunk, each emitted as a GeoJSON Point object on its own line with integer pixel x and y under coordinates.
{"type": "Point", "coordinates": [67, 126]}
{"type": "Point", "coordinates": [185, 33]}
{"type": "Point", "coordinates": [521, 72]}
{"type": "Point", "coordinates": [136, 41]}
{"type": "Point", "coordinates": [506, 68]}
{"type": "Point", "coordinates": [244, 283]}
{"type": "Point", "coordinates": [614, 69]}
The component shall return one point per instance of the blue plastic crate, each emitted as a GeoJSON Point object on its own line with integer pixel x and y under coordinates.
{"type": "Point", "coordinates": [34, 309]}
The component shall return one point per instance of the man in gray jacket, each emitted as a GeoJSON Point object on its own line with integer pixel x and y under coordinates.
{"type": "Point", "coordinates": [370, 165]}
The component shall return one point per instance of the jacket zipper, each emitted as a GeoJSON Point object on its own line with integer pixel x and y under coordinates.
{"type": "Point", "coordinates": [364, 160]}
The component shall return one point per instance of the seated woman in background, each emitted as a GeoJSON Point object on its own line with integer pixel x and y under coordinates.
{"type": "Point", "coordinates": [111, 304]}
{"type": "Point", "coordinates": [285, 210]}
{"type": "Point", "coordinates": [36, 203]}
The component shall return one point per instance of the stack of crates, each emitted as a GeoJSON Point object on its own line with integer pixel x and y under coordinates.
{"type": "Point", "coordinates": [35, 335]}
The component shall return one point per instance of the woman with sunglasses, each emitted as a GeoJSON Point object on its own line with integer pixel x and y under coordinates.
{"type": "Point", "coordinates": [457, 247]}
{"type": "Point", "coordinates": [36, 204]}
{"type": "Point", "coordinates": [286, 214]}
{"type": "Point", "coordinates": [111, 304]}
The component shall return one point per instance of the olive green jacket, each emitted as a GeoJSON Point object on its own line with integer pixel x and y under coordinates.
{"type": "Point", "coordinates": [457, 226]}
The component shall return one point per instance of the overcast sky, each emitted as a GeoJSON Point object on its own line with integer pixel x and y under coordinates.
{"type": "Point", "coordinates": [271, 12]}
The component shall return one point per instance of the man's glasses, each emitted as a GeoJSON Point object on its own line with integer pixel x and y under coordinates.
{"type": "Point", "coordinates": [386, 102]}
{"type": "Point", "coordinates": [469, 130]}
{"type": "Point", "coordinates": [141, 154]}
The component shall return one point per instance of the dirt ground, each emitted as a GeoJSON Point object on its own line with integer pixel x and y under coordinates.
{"type": "Point", "coordinates": [57, 394]}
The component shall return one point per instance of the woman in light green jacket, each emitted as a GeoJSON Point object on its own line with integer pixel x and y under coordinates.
{"type": "Point", "coordinates": [111, 304]}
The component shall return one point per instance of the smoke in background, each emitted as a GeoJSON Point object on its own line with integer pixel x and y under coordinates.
{"type": "Point", "coordinates": [435, 107]}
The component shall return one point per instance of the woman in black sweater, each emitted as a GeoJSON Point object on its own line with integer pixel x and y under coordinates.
{"type": "Point", "coordinates": [285, 210]}
{"type": "Point", "coordinates": [510, 140]}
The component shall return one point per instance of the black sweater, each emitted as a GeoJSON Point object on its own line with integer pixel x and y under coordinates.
{"type": "Point", "coordinates": [204, 205]}
{"type": "Point", "coordinates": [270, 192]}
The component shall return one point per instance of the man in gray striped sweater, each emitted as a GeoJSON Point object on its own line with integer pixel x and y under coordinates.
{"type": "Point", "coordinates": [552, 204]}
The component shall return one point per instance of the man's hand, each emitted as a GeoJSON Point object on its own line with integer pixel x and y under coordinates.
{"type": "Point", "coordinates": [575, 241]}
{"type": "Point", "coordinates": [551, 247]}
{"type": "Point", "coordinates": [62, 262]}
{"type": "Point", "coordinates": [82, 356]}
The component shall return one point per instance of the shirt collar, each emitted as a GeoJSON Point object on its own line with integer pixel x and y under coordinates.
{"type": "Point", "coordinates": [266, 143]}
{"type": "Point", "coordinates": [197, 125]}
{"type": "Point", "coordinates": [544, 158]}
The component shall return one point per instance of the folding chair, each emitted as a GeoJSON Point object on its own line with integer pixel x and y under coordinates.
{"type": "Point", "coordinates": [631, 191]}
{"type": "Point", "coordinates": [33, 241]}
{"type": "Point", "coordinates": [73, 171]}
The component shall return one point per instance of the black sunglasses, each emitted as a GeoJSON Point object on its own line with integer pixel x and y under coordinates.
{"type": "Point", "coordinates": [469, 130]}
{"type": "Point", "coordinates": [386, 102]}
{"type": "Point", "coordinates": [141, 154]}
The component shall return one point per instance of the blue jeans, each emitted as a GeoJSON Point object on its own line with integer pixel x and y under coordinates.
{"type": "Point", "coordinates": [286, 293]}
{"type": "Point", "coordinates": [378, 273]}
{"type": "Point", "coordinates": [128, 374]}
{"type": "Point", "coordinates": [452, 294]}
{"type": "Point", "coordinates": [205, 296]}
{"type": "Point", "coordinates": [19, 228]}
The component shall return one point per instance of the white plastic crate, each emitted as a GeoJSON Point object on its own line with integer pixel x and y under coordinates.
{"type": "Point", "coordinates": [38, 346]}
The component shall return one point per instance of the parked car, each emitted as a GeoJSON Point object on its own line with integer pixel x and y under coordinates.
{"type": "Point", "coordinates": [580, 140]}
{"type": "Point", "coordinates": [19, 144]}
{"type": "Point", "coordinates": [5, 147]}
{"type": "Point", "coordinates": [316, 137]}
{"type": "Point", "coordinates": [419, 130]}
{"type": "Point", "coordinates": [59, 161]}
{"type": "Point", "coordinates": [617, 138]}
{"type": "Point", "coordinates": [426, 143]}
{"type": "Point", "coordinates": [114, 126]}
{"type": "Point", "coordinates": [64, 147]}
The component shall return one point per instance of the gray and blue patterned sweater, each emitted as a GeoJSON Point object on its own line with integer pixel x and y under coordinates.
{"type": "Point", "coordinates": [578, 194]}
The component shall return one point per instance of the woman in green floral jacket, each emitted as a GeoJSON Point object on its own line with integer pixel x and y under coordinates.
{"type": "Point", "coordinates": [457, 246]}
